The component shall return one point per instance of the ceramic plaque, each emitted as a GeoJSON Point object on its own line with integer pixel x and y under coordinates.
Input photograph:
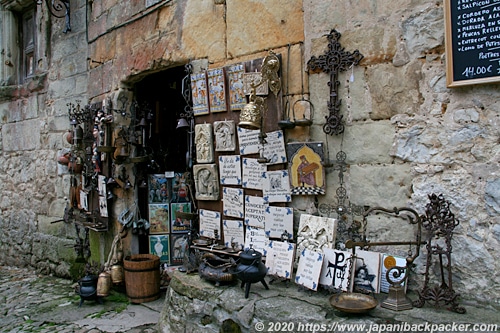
{"type": "Point", "coordinates": [276, 186]}
{"type": "Point", "coordinates": [206, 181]}
{"type": "Point", "coordinates": [209, 222]}
{"type": "Point", "coordinates": [279, 220]}
{"type": "Point", "coordinates": [179, 222]}
{"type": "Point", "coordinates": [316, 232]}
{"type": "Point", "coordinates": [233, 231]}
{"type": "Point", "coordinates": [237, 99]}
{"type": "Point", "coordinates": [159, 218]}
{"type": "Point", "coordinates": [386, 263]}
{"type": "Point", "coordinates": [180, 188]}
{"type": "Point", "coordinates": [248, 141]}
{"type": "Point", "coordinates": [255, 209]}
{"type": "Point", "coordinates": [309, 269]}
{"type": "Point", "coordinates": [337, 269]}
{"type": "Point", "coordinates": [279, 259]}
{"type": "Point", "coordinates": [366, 272]}
{"type": "Point", "coordinates": [225, 136]}
{"type": "Point", "coordinates": [199, 93]}
{"type": "Point", "coordinates": [232, 202]}
{"type": "Point", "coordinates": [216, 89]}
{"type": "Point", "coordinates": [252, 172]}
{"type": "Point", "coordinates": [230, 169]}
{"type": "Point", "coordinates": [203, 139]}
{"type": "Point", "coordinates": [274, 149]}
{"type": "Point", "coordinates": [307, 175]}
{"type": "Point", "coordinates": [256, 239]}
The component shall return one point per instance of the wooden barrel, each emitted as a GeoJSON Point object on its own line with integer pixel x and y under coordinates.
{"type": "Point", "coordinates": [142, 277]}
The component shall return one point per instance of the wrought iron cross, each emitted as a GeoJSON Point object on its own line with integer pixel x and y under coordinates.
{"type": "Point", "coordinates": [334, 61]}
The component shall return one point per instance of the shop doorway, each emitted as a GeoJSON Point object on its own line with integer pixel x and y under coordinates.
{"type": "Point", "coordinates": [159, 97]}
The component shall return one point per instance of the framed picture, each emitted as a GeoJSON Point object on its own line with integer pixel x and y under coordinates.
{"type": "Point", "coordinates": [159, 218]}
{"type": "Point", "coordinates": [160, 245]}
{"type": "Point", "coordinates": [159, 189]}
{"type": "Point", "coordinates": [180, 222]}
{"type": "Point", "coordinates": [180, 188]}
{"type": "Point", "coordinates": [179, 247]}
{"type": "Point", "coordinates": [237, 99]}
{"type": "Point", "coordinates": [200, 93]}
{"type": "Point", "coordinates": [217, 89]}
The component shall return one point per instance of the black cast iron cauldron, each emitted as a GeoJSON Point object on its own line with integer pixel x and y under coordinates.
{"type": "Point", "coordinates": [251, 269]}
{"type": "Point", "coordinates": [87, 288]}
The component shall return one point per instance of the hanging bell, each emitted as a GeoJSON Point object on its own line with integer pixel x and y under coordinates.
{"type": "Point", "coordinates": [182, 124]}
{"type": "Point", "coordinates": [250, 117]}
{"type": "Point", "coordinates": [304, 121]}
{"type": "Point", "coordinates": [122, 149]}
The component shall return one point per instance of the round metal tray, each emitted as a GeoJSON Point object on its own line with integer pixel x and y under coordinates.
{"type": "Point", "coordinates": [353, 302]}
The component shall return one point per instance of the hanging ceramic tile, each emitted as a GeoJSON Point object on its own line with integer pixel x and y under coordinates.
{"type": "Point", "coordinates": [217, 89]}
{"type": "Point", "coordinates": [309, 269]}
{"type": "Point", "coordinates": [307, 175]}
{"type": "Point", "coordinates": [232, 202]}
{"type": "Point", "coordinates": [199, 93]}
{"type": "Point", "coordinates": [276, 186]}
{"type": "Point", "coordinates": [337, 269]}
{"type": "Point", "coordinates": [274, 149]}
{"type": "Point", "coordinates": [203, 139]}
{"type": "Point", "coordinates": [237, 99]}
{"type": "Point", "coordinates": [234, 235]}
{"type": "Point", "coordinates": [230, 169]}
{"type": "Point", "coordinates": [248, 141]}
{"type": "Point", "coordinates": [179, 246]}
{"type": "Point", "coordinates": [209, 222]}
{"type": "Point", "coordinates": [252, 173]}
{"type": "Point", "coordinates": [255, 209]}
{"type": "Point", "coordinates": [278, 220]}
{"type": "Point", "coordinates": [206, 181]}
{"type": "Point", "coordinates": [279, 259]}
{"type": "Point", "coordinates": [225, 136]}
{"type": "Point", "coordinates": [159, 245]}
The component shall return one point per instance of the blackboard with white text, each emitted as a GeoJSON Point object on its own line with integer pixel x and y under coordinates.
{"type": "Point", "coordinates": [472, 41]}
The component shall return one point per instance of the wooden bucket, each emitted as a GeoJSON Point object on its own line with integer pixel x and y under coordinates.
{"type": "Point", "coordinates": [142, 277]}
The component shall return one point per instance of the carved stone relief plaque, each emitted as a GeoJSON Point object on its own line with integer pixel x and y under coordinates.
{"type": "Point", "coordinates": [206, 181]}
{"type": "Point", "coordinates": [203, 139]}
{"type": "Point", "coordinates": [225, 136]}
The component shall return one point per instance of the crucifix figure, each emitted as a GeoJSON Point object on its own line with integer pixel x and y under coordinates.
{"type": "Point", "coordinates": [334, 61]}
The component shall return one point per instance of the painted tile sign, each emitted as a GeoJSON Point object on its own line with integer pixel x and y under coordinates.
{"type": "Point", "coordinates": [255, 209]}
{"type": "Point", "coordinates": [279, 259]}
{"type": "Point", "coordinates": [230, 169]}
{"type": "Point", "coordinates": [278, 220]}
{"type": "Point", "coordinates": [276, 186]}
{"type": "Point", "coordinates": [248, 141]}
{"type": "Point", "coordinates": [209, 222]}
{"type": "Point", "coordinates": [232, 199]}
{"type": "Point", "coordinates": [309, 269]}
{"type": "Point", "coordinates": [252, 173]}
{"type": "Point", "coordinates": [217, 89]}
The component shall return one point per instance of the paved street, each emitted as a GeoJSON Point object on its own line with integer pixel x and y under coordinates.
{"type": "Point", "coordinates": [31, 302]}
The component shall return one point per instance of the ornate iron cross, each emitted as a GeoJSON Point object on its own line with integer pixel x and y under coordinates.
{"type": "Point", "coordinates": [334, 61]}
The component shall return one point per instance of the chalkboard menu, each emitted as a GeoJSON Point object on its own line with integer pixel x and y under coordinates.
{"type": "Point", "coordinates": [472, 42]}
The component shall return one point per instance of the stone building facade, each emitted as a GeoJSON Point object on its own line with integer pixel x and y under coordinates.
{"type": "Point", "coordinates": [406, 134]}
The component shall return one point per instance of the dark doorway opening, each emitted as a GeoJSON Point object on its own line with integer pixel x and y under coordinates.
{"type": "Point", "coordinates": [160, 96]}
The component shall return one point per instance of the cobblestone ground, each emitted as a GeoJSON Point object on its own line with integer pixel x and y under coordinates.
{"type": "Point", "coordinates": [30, 302]}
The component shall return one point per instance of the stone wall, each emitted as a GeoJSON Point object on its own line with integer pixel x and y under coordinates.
{"type": "Point", "coordinates": [407, 135]}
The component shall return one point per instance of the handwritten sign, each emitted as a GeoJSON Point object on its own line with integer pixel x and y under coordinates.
{"type": "Point", "coordinates": [278, 220]}
{"type": "Point", "coordinates": [279, 259]}
{"type": "Point", "coordinates": [252, 173]}
{"type": "Point", "coordinates": [472, 42]}
{"type": "Point", "coordinates": [255, 238]}
{"type": "Point", "coordinates": [233, 233]}
{"type": "Point", "coordinates": [230, 170]}
{"type": "Point", "coordinates": [248, 141]}
{"type": "Point", "coordinates": [232, 199]}
{"type": "Point", "coordinates": [255, 209]}
{"type": "Point", "coordinates": [309, 269]}
{"type": "Point", "coordinates": [209, 222]}
{"type": "Point", "coordinates": [276, 186]}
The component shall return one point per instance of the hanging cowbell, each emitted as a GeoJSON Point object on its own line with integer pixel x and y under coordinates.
{"type": "Point", "coordinates": [122, 148]}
